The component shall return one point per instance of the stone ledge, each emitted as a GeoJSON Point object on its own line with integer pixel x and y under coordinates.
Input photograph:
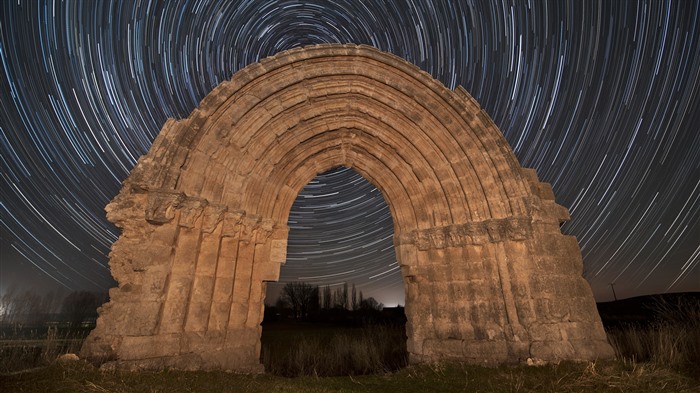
{"type": "Point", "coordinates": [472, 233]}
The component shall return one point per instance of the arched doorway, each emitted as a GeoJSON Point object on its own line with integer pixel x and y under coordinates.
{"type": "Point", "coordinates": [337, 308]}
{"type": "Point", "coordinates": [341, 233]}
{"type": "Point", "coordinates": [489, 276]}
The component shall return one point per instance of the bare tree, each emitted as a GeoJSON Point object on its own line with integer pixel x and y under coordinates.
{"type": "Point", "coordinates": [345, 295]}
{"type": "Point", "coordinates": [21, 307]}
{"type": "Point", "coordinates": [338, 299]}
{"type": "Point", "coordinates": [327, 297]}
{"type": "Point", "coordinates": [301, 297]}
{"type": "Point", "coordinates": [371, 304]}
{"type": "Point", "coordinates": [355, 304]}
{"type": "Point", "coordinates": [9, 305]}
{"type": "Point", "coordinates": [28, 306]}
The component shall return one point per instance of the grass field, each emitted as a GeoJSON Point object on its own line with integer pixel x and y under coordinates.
{"type": "Point", "coordinates": [323, 350]}
{"type": "Point", "coordinates": [612, 376]}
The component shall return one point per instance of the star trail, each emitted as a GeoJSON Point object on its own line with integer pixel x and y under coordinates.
{"type": "Point", "coordinates": [602, 98]}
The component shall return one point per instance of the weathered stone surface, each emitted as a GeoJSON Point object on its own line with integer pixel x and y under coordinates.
{"type": "Point", "coordinates": [489, 277]}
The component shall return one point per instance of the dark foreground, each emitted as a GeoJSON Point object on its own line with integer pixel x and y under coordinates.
{"type": "Point", "coordinates": [612, 376]}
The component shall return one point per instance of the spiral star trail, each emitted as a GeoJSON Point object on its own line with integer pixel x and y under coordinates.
{"type": "Point", "coordinates": [602, 98]}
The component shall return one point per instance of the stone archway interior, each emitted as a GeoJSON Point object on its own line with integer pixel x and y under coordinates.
{"type": "Point", "coordinates": [489, 277]}
{"type": "Point", "coordinates": [341, 232]}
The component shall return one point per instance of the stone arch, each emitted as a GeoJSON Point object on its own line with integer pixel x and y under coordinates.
{"type": "Point", "coordinates": [489, 278]}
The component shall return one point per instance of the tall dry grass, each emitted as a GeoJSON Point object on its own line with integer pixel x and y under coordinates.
{"type": "Point", "coordinates": [369, 350]}
{"type": "Point", "coordinates": [671, 340]}
{"type": "Point", "coordinates": [17, 354]}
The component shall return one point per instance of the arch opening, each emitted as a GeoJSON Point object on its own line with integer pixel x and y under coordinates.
{"type": "Point", "coordinates": [338, 304]}
{"type": "Point", "coordinates": [341, 230]}
{"type": "Point", "coordinates": [488, 275]}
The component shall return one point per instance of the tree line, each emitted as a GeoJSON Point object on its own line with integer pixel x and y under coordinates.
{"type": "Point", "coordinates": [22, 308]}
{"type": "Point", "coordinates": [304, 300]}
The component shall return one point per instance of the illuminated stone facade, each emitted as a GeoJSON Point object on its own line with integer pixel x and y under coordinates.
{"type": "Point", "coordinates": [489, 277]}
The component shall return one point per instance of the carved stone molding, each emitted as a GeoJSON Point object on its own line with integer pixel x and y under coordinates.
{"type": "Point", "coordinates": [232, 223]}
{"type": "Point", "coordinates": [162, 205]}
{"type": "Point", "coordinates": [473, 233]}
{"type": "Point", "coordinates": [213, 215]}
{"type": "Point", "coordinates": [191, 210]}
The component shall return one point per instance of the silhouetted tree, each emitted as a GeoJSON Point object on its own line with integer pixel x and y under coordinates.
{"type": "Point", "coordinates": [338, 299]}
{"type": "Point", "coordinates": [327, 297]}
{"type": "Point", "coordinates": [281, 304]}
{"type": "Point", "coordinates": [80, 305]}
{"type": "Point", "coordinates": [314, 308]}
{"type": "Point", "coordinates": [345, 295]}
{"type": "Point", "coordinates": [28, 306]}
{"type": "Point", "coordinates": [371, 304]}
{"type": "Point", "coordinates": [301, 297]}
{"type": "Point", "coordinates": [355, 304]}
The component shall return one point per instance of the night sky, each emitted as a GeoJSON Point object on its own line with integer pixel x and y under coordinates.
{"type": "Point", "coordinates": [602, 98]}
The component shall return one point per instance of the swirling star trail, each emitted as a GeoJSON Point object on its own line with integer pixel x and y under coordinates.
{"type": "Point", "coordinates": [602, 98]}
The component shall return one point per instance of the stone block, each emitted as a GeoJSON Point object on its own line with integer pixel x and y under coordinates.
{"type": "Point", "coordinates": [228, 254]}
{"type": "Point", "coordinates": [199, 304]}
{"type": "Point", "coordinates": [559, 308]}
{"type": "Point", "coordinates": [543, 190]}
{"type": "Point", "coordinates": [199, 342]}
{"type": "Point", "coordinates": [208, 256]}
{"type": "Point", "coordinates": [557, 246]}
{"type": "Point", "coordinates": [154, 282]}
{"type": "Point", "coordinates": [238, 313]}
{"type": "Point", "coordinates": [186, 251]}
{"type": "Point", "coordinates": [164, 235]}
{"type": "Point", "coordinates": [175, 304]}
{"type": "Point", "coordinates": [143, 318]}
{"type": "Point", "coordinates": [270, 272]}
{"type": "Point", "coordinates": [485, 352]}
{"type": "Point", "coordinates": [552, 351]}
{"type": "Point", "coordinates": [583, 309]}
{"type": "Point", "coordinates": [443, 348]}
{"type": "Point", "coordinates": [114, 317]}
{"type": "Point", "coordinates": [545, 332]}
{"type": "Point", "coordinates": [219, 315]}
{"type": "Point", "coordinates": [557, 285]}
{"type": "Point", "coordinates": [589, 349]}
{"type": "Point", "coordinates": [582, 331]}
{"type": "Point", "coordinates": [223, 289]}
{"type": "Point", "coordinates": [142, 347]}
{"type": "Point", "coordinates": [278, 251]}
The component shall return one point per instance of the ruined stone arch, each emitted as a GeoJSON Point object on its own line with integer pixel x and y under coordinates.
{"type": "Point", "coordinates": [489, 278]}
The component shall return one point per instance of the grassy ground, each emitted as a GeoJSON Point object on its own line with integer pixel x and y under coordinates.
{"type": "Point", "coordinates": [327, 350]}
{"type": "Point", "coordinates": [26, 351]}
{"type": "Point", "coordinates": [663, 356]}
{"type": "Point", "coordinates": [612, 376]}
